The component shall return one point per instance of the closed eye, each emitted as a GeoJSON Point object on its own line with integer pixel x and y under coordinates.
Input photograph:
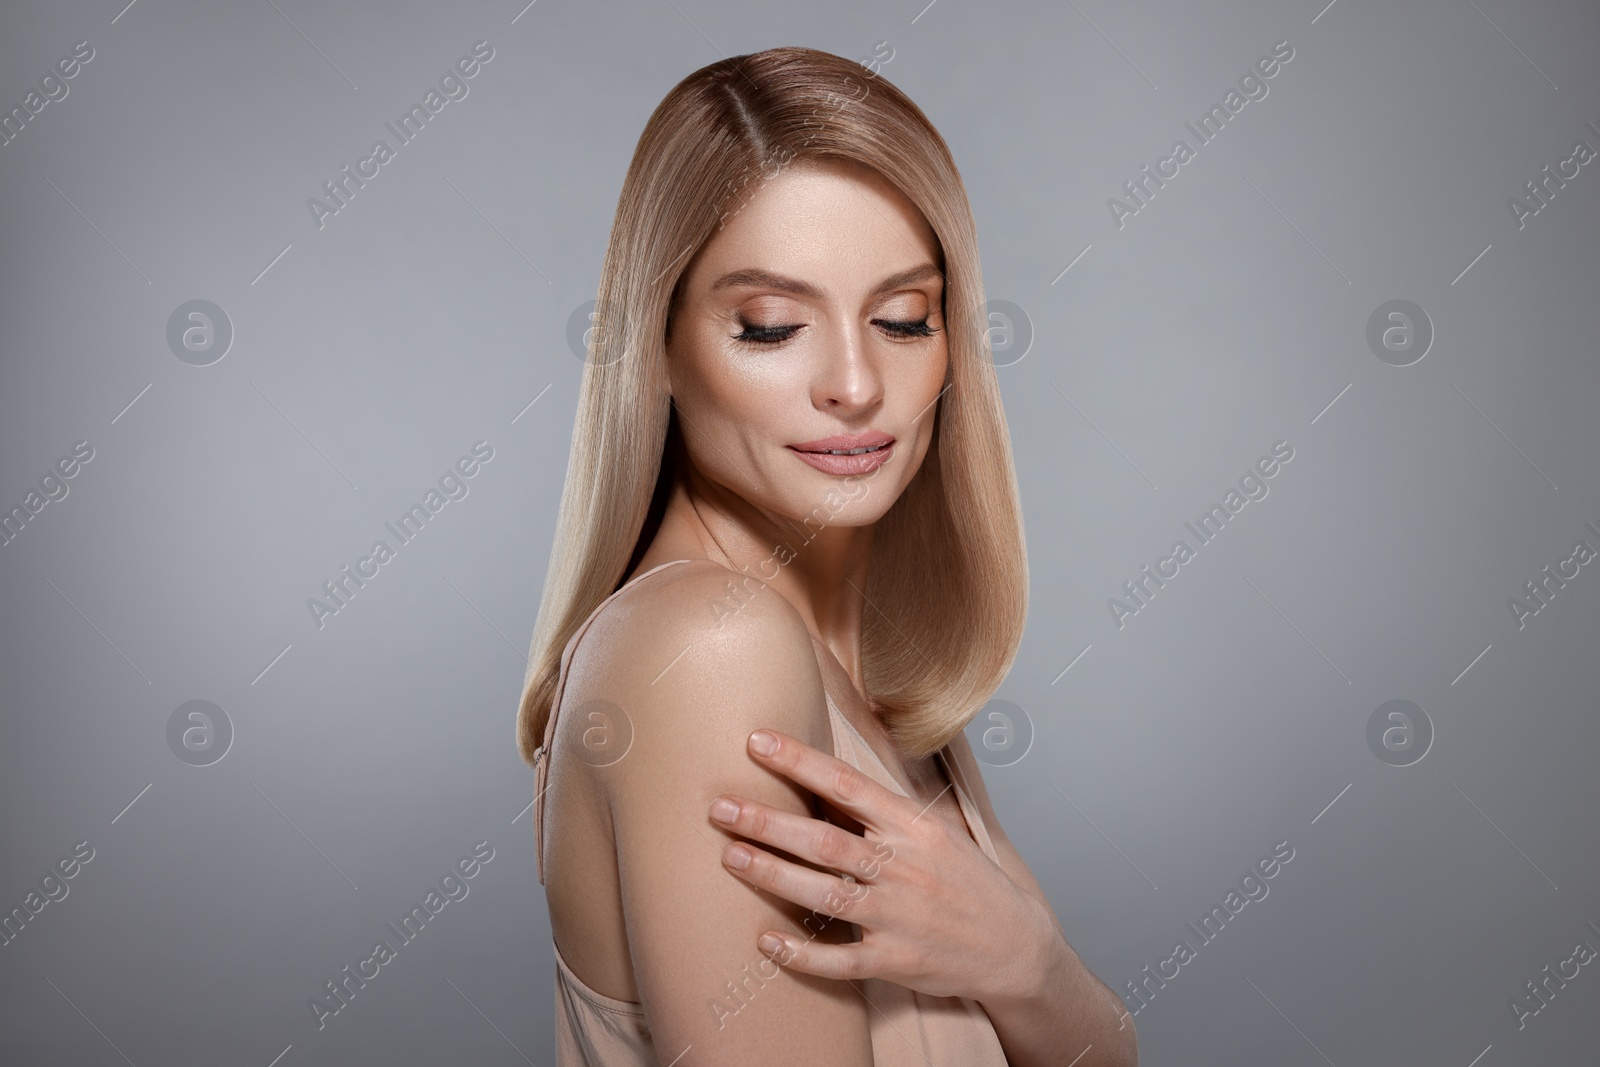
{"type": "Point", "coordinates": [908, 329]}
{"type": "Point", "coordinates": [771, 335]}
{"type": "Point", "coordinates": [764, 335]}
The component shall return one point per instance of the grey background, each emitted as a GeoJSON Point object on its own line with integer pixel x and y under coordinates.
{"type": "Point", "coordinates": [1230, 313]}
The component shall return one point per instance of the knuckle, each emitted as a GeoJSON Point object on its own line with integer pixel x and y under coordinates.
{"type": "Point", "coordinates": [848, 783]}
{"type": "Point", "coordinates": [831, 847]}
{"type": "Point", "coordinates": [758, 821]}
{"type": "Point", "coordinates": [835, 904]}
{"type": "Point", "coordinates": [864, 910]}
{"type": "Point", "coordinates": [871, 865]}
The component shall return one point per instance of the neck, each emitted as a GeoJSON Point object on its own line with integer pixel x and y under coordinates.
{"type": "Point", "coordinates": [821, 570]}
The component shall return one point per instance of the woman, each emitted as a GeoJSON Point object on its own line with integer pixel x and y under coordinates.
{"type": "Point", "coordinates": [790, 512]}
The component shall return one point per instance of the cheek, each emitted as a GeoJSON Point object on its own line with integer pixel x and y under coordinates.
{"type": "Point", "coordinates": [747, 395]}
{"type": "Point", "coordinates": [736, 395]}
{"type": "Point", "coordinates": [932, 375]}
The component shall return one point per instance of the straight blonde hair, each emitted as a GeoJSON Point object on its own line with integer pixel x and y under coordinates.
{"type": "Point", "coordinates": [948, 584]}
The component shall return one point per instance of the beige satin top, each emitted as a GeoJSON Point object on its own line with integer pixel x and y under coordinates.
{"type": "Point", "coordinates": [908, 1028]}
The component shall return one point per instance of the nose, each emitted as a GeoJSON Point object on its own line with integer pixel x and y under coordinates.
{"type": "Point", "coordinates": [849, 380]}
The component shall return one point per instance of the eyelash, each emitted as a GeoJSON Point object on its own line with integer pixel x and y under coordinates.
{"type": "Point", "coordinates": [763, 335]}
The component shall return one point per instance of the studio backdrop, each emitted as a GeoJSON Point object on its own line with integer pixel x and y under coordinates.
{"type": "Point", "coordinates": [1293, 311]}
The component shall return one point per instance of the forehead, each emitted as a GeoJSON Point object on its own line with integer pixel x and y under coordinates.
{"type": "Point", "coordinates": [825, 221]}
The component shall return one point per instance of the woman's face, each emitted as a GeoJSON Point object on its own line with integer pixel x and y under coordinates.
{"type": "Point", "coordinates": [815, 312]}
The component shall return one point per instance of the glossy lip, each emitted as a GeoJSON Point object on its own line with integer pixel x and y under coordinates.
{"type": "Point", "coordinates": [868, 439]}
{"type": "Point", "coordinates": [814, 453]}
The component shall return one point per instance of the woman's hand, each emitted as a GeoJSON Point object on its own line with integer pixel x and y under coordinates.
{"type": "Point", "coordinates": [936, 914]}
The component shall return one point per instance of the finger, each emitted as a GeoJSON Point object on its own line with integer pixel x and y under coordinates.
{"type": "Point", "coordinates": [810, 839]}
{"type": "Point", "coordinates": [833, 780]}
{"type": "Point", "coordinates": [817, 891]}
{"type": "Point", "coordinates": [851, 961]}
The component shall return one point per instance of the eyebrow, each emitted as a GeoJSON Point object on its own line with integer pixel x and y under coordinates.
{"type": "Point", "coordinates": [754, 276]}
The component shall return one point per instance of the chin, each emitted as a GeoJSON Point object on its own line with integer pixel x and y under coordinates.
{"type": "Point", "coordinates": [846, 502]}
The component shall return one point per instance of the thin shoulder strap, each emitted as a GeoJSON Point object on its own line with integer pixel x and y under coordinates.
{"type": "Point", "coordinates": [969, 807]}
{"type": "Point", "coordinates": [541, 755]}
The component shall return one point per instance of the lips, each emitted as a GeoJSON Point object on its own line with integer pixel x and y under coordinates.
{"type": "Point", "coordinates": [845, 442]}
{"type": "Point", "coordinates": [857, 453]}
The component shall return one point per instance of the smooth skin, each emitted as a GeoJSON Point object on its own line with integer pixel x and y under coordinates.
{"type": "Point", "coordinates": [815, 310]}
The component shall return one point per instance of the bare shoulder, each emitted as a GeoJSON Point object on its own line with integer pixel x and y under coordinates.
{"type": "Point", "coordinates": [693, 659]}
{"type": "Point", "coordinates": [696, 657]}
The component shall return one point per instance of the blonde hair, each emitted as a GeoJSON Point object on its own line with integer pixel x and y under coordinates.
{"type": "Point", "coordinates": [947, 588]}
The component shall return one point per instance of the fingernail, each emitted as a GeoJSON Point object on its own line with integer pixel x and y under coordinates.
{"type": "Point", "coordinates": [763, 743]}
{"type": "Point", "coordinates": [738, 857]}
{"type": "Point", "coordinates": [770, 944]}
{"type": "Point", "coordinates": [724, 810]}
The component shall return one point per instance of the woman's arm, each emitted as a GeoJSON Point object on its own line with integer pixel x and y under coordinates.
{"type": "Point", "coordinates": [692, 930]}
{"type": "Point", "coordinates": [936, 913]}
